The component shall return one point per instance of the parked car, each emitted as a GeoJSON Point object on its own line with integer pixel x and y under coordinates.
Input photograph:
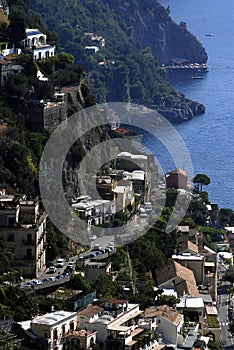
{"type": "Point", "coordinates": [51, 279]}
{"type": "Point", "coordinates": [108, 249]}
{"type": "Point", "coordinates": [71, 267]}
{"type": "Point", "coordinates": [60, 263]}
{"type": "Point", "coordinates": [92, 237]}
{"type": "Point", "coordinates": [29, 284]}
{"type": "Point", "coordinates": [37, 282]}
{"type": "Point", "coordinates": [45, 280]}
{"type": "Point", "coordinates": [52, 269]}
{"type": "Point", "coordinates": [65, 274]}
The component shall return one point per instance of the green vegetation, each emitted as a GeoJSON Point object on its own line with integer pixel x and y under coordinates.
{"type": "Point", "coordinates": [229, 274]}
{"type": "Point", "coordinates": [200, 180]}
{"type": "Point", "coordinates": [226, 217]}
{"type": "Point", "coordinates": [213, 322]}
{"type": "Point", "coordinates": [215, 346]}
{"type": "Point", "coordinates": [123, 68]}
{"type": "Point", "coordinates": [21, 305]}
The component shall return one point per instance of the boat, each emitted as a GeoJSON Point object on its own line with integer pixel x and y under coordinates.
{"type": "Point", "coordinates": [197, 77]}
{"type": "Point", "coordinates": [209, 34]}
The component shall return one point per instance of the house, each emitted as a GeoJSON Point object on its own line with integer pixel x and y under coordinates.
{"type": "Point", "coordinates": [94, 212]}
{"type": "Point", "coordinates": [187, 234]}
{"type": "Point", "coordinates": [35, 44]}
{"type": "Point", "coordinates": [139, 183]}
{"type": "Point", "coordinates": [192, 307]}
{"type": "Point", "coordinates": [94, 269]}
{"type": "Point", "coordinates": [52, 330]}
{"type": "Point", "coordinates": [9, 65]}
{"type": "Point", "coordinates": [23, 228]}
{"type": "Point", "coordinates": [187, 247]}
{"type": "Point", "coordinates": [194, 262]}
{"type": "Point", "coordinates": [79, 300]}
{"type": "Point", "coordinates": [7, 48]}
{"type": "Point", "coordinates": [176, 276]}
{"type": "Point", "coordinates": [88, 315]}
{"type": "Point", "coordinates": [130, 162]}
{"type": "Point", "coordinates": [105, 185]}
{"type": "Point", "coordinates": [116, 322]}
{"type": "Point", "coordinates": [123, 195]}
{"type": "Point", "coordinates": [210, 270]}
{"type": "Point", "coordinates": [168, 323]}
{"type": "Point", "coordinates": [177, 179]}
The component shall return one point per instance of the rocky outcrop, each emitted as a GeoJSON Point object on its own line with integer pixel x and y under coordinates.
{"type": "Point", "coordinates": [185, 110]}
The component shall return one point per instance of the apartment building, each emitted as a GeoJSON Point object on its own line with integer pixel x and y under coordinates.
{"type": "Point", "coordinates": [23, 228]}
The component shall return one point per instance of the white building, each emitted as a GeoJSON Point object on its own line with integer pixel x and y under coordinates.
{"type": "Point", "coordinates": [52, 328]}
{"type": "Point", "coordinates": [36, 42]}
{"type": "Point", "coordinates": [168, 322]}
{"type": "Point", "coordinates": [88, 315]}
{"type": "Point", "coordinates": [95, 212]}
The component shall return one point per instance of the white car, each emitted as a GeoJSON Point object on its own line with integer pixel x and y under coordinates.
{"type": "Point", "coordinates": [52, 269]}
{"type": "Point", "coordinates": [37, 282]}
{"type": "Point", "coordinates": [60, 263]}
{"type": "Point", "coordinates": [93, 237]}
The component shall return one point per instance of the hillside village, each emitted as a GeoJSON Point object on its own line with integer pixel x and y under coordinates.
{"type": "Point", "coordinates": [184, 313]}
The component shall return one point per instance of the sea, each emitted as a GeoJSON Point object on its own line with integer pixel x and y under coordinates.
{"type": "Point", "coordinates": [209, 138]}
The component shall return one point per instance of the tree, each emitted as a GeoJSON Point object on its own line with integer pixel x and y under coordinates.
{"type": "Point", "coordinates": [200, 180]}
{"type": "Point", "coordinates": [229, 275]}
{"type": "Point", "coordinates": [225, 217]}
{"type": "Point", "coordinates": [104, 286]}
{"type": "Point", "coordinates": [65, 59]}
{"type": "Point", "coordinates": [17, 27]}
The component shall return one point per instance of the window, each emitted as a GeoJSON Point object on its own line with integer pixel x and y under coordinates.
{"type": "Point", "coordinates": [29, 253]}
{"type": "Point", "coordinates": [29, 238]}
{"type": "Point", "coordinates": [72, 326]}
{"type": "Point", "coordinates": [11, 221]}
{"type": "Point", "coordinates": [11, 237]}
{"type": "Point", "coordinates": [63, 330]}
{"type": "Point", "coordinates": [55, 335]}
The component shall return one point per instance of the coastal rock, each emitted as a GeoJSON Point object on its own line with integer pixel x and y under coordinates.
{"type": "Point", "coordinates": [180, 108]}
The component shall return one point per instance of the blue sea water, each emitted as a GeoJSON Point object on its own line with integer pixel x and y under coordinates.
{"type": "Point", "coordinates": [210, 138]}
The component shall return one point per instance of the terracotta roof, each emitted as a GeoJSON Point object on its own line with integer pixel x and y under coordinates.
{"type": "Point", "coordinates": [163, 311]}
{"type": "Point", "coordinates": [90, 310]}
{"type": "Point", "coordinates": [185, 282]}
{"type": "Point", "coordinates": [188, 245]}
{"type": "Point", "coordinates": [116, 301]}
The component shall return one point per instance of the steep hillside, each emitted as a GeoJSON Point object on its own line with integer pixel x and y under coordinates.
{"type": "Point", "coordinates": [152, 26]}
{"type": "Point", "coordinates": [121, 46]}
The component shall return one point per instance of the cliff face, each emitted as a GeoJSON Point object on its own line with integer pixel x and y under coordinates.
{"type": "Point", "coordinates": [153, 27]}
